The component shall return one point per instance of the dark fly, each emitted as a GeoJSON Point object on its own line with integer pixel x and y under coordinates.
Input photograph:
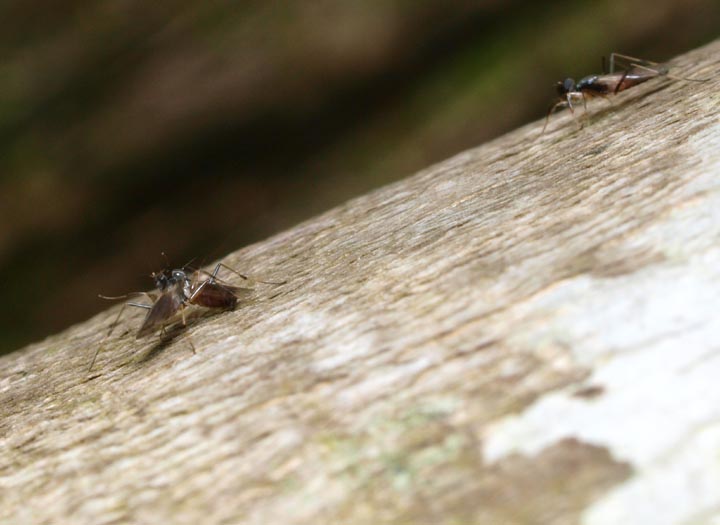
{"type": "Point", "coordinates": [625, 72]}
{"type": "Point", "coordinates": [176, 289]}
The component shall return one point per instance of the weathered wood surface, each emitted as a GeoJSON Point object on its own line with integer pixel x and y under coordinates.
{"type": "Point", "coordinates": [525, 333]}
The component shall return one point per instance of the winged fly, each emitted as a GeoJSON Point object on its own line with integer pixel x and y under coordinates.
{"type": "Point", "coordinates": [175, 290]}
{"type": "Point", "coordinates": [624, 72]}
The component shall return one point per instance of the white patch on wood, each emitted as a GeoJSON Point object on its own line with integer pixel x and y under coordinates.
{"type": "Point", "coordinates": [659, 366]}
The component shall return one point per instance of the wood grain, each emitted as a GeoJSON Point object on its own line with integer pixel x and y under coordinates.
{"type": "Point", "coordinates": [524, 333]}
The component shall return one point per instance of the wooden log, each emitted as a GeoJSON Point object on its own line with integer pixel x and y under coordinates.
{"type": "Point", "coordinates": [524, 333]}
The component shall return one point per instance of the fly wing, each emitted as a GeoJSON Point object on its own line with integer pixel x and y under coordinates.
{"type": "Point", "coordinates": [165, 307]}
{"type": "Point", "coordinates": [607, 83]}
{"type": "Point", "coordinates": [619, 81]}
{"type": "Point", "coordinates": [636, 75]}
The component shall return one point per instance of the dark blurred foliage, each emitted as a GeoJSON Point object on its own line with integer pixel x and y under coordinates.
{"type": "Point", "coordinates": [130, 128]}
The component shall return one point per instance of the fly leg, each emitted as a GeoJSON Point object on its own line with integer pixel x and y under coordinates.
{"type": "Point", "coordinates": [552, 109]}
{"type": "Point", "coordinates": [213, 278]}
{"type": "Point", "coordinates": [566, 102]}
{"type": "Point", "coordinates": [628, 62]}
{"type": "Point", "coordinates": [115, 322]}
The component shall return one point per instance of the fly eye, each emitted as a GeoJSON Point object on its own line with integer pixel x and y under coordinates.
{"type": "Point", "coordinates": [178, 275]}
{"type": "Point", "coordinates": [568, 85]}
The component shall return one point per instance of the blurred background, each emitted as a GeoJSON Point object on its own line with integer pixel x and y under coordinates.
{"type": "Point", "coordinates": [131, 128]}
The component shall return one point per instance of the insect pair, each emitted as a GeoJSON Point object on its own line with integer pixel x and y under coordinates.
{"type": "Point", "coordinates": [175, 290]}
{"type": "Point", "coordinates": [624, 72]}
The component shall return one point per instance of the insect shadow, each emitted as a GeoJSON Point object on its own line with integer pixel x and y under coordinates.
{"type": "Point", "coordinates": [624, 72]}
{"type": "Point", "coordinates": [177, 289]}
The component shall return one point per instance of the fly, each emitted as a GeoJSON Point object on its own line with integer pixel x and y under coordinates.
{"type": "Point", "coordinates": [631, 72]}
{"type": "Point", "coordinates": [175, 290]}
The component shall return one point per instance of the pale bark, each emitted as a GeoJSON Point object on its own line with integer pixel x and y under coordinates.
{"type": "Point", "coordinates": [525, 333]}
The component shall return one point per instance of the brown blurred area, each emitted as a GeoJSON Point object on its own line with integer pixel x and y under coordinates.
{"type": "Point", "coordinates": [132, 128]}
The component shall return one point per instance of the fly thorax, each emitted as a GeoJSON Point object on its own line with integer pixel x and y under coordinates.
{"type": "Point", "coordinates": [586, 82]}
{"type": "Point", "coordinates": [181, 280]}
